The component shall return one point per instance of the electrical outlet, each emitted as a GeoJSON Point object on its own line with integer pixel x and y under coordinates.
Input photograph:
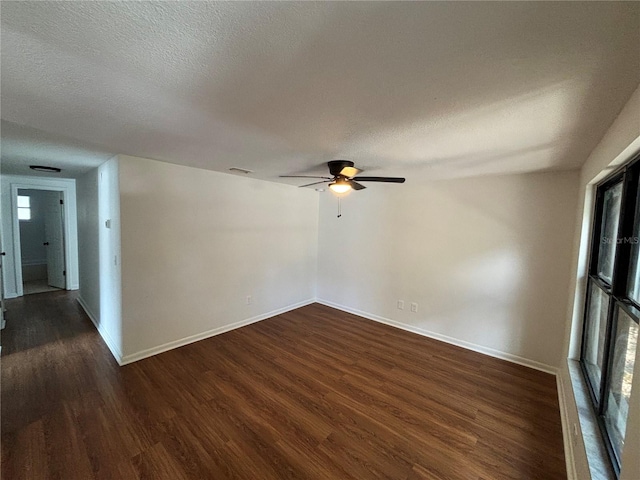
{"type": "Point", "coordinates": [400, 304]}
{"type": "Point", "coordinates": [248, 299]}
{"type": "Point", "coordinates": [414, 307]}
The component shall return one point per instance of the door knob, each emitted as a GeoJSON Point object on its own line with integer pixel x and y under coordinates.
{"type": "Point", "coordinates": [46, 243]}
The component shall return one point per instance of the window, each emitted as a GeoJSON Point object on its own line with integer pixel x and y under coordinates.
{"type": "Point", "coordinates": [24, 207]}
{"type": "Point", "coordinates": [612, 308]}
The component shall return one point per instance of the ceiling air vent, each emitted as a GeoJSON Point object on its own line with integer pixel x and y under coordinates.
{"type": "Point", "coordinates": [240, 170]}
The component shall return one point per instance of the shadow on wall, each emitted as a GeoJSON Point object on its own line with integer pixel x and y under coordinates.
{"type": "Point", "coordinates": [487, 259]}
{"type": "Point", "coordinates": [530, 261]}
{"type": "Point", "coordinates": [407, 120]}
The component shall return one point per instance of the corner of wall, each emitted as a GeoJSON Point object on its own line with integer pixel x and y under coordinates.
{"type": "Point", "coordinates": [110, 342]}
{"type": "Point", "coordinates": [109, 255]}
{"type": "Point", "coordinates": [317, 249]}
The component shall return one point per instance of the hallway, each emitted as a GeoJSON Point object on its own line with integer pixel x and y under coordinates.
{"type": "Point", "coordinates": [52, 357]}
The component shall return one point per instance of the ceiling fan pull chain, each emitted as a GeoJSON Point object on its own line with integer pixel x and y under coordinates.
{"type": "Point", "coordinates": [339, 207]}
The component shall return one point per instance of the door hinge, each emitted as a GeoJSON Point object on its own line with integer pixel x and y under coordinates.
{"type": "Point", "coordinates": [61, 202]}
{"type": "Point", "coordinates": [64, 273]}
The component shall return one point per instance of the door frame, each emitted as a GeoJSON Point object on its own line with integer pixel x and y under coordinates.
{"type": "Point", "coordinates": [17, 248]}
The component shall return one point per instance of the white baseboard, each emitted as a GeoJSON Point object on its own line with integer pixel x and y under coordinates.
{"type": "Point", "coordinates": [566, 430]}
{"type": "Point", "coordinates": [444, 338]}
{"type": "Point", "coordinates": [115, 351]}
{"type": "Point", "coordinates": [149, 352]}
{"type": "Point", "coordinates": [31, 263]}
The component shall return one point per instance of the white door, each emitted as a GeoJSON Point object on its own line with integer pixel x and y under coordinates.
{"type": "Point", "coordinates": [54, 239]}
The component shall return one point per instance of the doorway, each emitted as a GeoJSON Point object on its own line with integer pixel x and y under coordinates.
{"type": "Point", "coordinates": [42, 240]}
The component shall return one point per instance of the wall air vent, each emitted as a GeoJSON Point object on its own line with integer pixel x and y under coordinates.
{"type": "Point", "coordinates": [240, 170]}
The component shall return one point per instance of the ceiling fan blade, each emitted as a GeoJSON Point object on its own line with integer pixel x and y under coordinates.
{"type": "Point", "coordinates": [380, 179]}
{"type": "Point", "coordinates": [303, 176]}
{"type": "Point", "coordinates": [356, 185]}
{"type": "Point", "coordinates": [350, 171]}
{"type": "Point", "coordinates": [315, 183]}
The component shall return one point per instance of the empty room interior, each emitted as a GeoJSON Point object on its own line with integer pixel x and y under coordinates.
{"type": "Point", "coordinates": [320, 240]}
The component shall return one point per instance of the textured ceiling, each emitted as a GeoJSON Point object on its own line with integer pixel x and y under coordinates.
{"type": "Point", "coordinates": [418, 88]}
{"type": "Point", "coordinates": [24, 146]}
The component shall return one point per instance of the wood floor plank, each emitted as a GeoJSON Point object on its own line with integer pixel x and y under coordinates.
{"type": "Point", "coordinates": [311, 394]}
{"type": "Point", "coordinates": [26, 456]}
{"type": "Point", "coordinates": [157, 462]}
{"type": "Point", "coordinates": [65, 447]}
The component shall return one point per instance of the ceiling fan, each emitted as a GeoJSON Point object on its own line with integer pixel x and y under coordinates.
{"type": "Point", "coordinates": [344, 177]}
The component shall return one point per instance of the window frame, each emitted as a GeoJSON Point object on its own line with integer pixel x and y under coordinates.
{"type": "Point", "coordinates": [617, 291]}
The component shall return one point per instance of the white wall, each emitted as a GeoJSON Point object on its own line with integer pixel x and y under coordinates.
{"type": "Point", "coordinates": [109, 233]}
{"type": "Point", "coordinates": [487, 260]}
{"type": "Point", "coordinates": [196, 243]}
{"type": "Point", "coordinates": [100, 281]}
{"type": "Point", "coordinates": [88, 243]}
{"type": "Point", "coordinates": [110, 270]}
{"type": "Point", "coordinates": [32, 234]}
{"type": "Point", "coordinates": [619, 145]}
{"type": "Point", "coordinates": [9, 184]}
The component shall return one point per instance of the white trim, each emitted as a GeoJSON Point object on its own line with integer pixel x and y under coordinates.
{"type": "Point", "coordinates": [623, 157]}
{"type": "Point", "coordinates": [134, 357]}
{"type": "Point", "coordinates": [567, 434]}
{"type": "Point", "coordinates": [115, 351]}
{"type": "Point", "coordinates": [444, 338]}
{"type": "Point", "coordinates": [68, 188]}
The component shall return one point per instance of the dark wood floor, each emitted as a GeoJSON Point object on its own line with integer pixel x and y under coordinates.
{"type": "Point", "coordinates": [310, 394]}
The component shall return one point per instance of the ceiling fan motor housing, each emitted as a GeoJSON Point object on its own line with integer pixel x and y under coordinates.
{"type": "Point", "coordinates": [336, 166]}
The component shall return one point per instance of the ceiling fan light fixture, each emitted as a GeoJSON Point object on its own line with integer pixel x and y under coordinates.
{"type": "Point", "coordinates": [339, 186]}
{"type": "Point", "coordinates": [344, 178]}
